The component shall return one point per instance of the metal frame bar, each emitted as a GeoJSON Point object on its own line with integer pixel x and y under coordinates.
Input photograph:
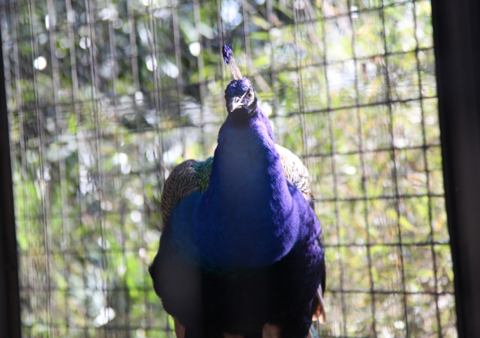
{"type": "Point", "coordinates": [9, 284]}
{"type": "Point", "coordinates": [457, 52]}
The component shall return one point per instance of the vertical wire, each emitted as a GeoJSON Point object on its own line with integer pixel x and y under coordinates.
{"type": "Point", "coordinates": [42, 185]}
{"type": "Point", "coordinates": [142, 224]}
{"type": "Point", "coordinates": [160, 111]}
{"type": "Point", "coordinates": [133, 44]}
{"type": "Point", "coordinates": [176, 38]}
{"type": "Point", "coordinates": [364, 173]}
{"type": "Point", "coordinates": [98, 133]}
{"type": "Point", "coordinates": [178, 61]}
{"type": "Point", "coordinates": [136, 82]}
{"type": "Point", "coordinates": [61, 159]}
{"type": "Point", "coordinates": [334, 172]}
{"type": "Point", "coordinates": [138, 151]}
{"type": "Point", "coordinates": [23, 147]}
{"type": "Point", "coordinates": [79, 136]}
{"type": "Point", "coordinates": [117, 123]}
{"type": "Point", "coordinates": [427, 172]}
{"type": "Point", "coordinates": [158, 101]}
{"type": "Point", "coordinates": [201, 73]}
{"type": "Point", "coordinates": [221, 37]}
{"type": "Point", "coordinates": [113, 58]}
{"type": "Point", "coordinates": [394, 160]}
{"type": "Point", "coordinates": [273, 73]}
{"type": "Point", "coordinates": [246, 38]}
{"type": "Point", "coordinates": [301, 98]}
{"type": "Point", "coordinates": [158, 98]}
{"type": "Point", "coordinates": [6, 36]}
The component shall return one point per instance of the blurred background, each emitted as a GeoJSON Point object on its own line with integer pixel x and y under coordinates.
{"type": "Point", "coordinates": [106, 97]}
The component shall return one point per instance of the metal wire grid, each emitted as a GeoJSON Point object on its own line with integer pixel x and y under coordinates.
{"type": "Point", "coordinates": [105, 97]}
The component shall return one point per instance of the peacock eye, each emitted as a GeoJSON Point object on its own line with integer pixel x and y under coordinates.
{"type": "Point", "coordinates": [250, 95]}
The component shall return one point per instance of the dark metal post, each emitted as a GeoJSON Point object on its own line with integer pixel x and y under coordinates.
{"type": "Point", "coordinates": [9, 288]}
{"type": "Point", "coordinates": [457, 50]}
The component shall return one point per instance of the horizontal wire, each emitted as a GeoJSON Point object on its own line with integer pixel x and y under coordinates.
{"type": "Point", "coordinates": [61, 252]}
{"type": "Point", "coordinates": [45, 289]}
{"type": "Point", "coordinates": [216, 39]}
{"type": "Point", "coordinates": [173, 89]}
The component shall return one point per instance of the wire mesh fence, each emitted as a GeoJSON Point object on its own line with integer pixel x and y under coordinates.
{"type": "Point", "coordinates": [106, 97]}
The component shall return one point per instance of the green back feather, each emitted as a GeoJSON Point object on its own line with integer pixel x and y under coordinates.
{"type": "Point", "coordinates": [202, 173]}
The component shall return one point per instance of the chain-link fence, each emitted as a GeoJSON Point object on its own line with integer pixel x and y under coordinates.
{"type": "Point", "coordinates": [106, 97]}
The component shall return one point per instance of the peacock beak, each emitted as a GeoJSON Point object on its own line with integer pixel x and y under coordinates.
{"type": "Point", "coordinates": [234, 102]}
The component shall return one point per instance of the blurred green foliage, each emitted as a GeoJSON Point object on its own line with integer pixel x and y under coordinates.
{"type": "Point", "coordinates": [106, 97]}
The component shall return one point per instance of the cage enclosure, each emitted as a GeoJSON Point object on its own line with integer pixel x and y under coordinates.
{"type": "Point", "coordinates": [106, 97]}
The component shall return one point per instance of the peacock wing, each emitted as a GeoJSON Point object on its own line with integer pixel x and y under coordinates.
{"type": "Point", "coordinates": [180, 183]}
{"type": "Point", "coordinates": [184, 179]}
{"type": "Point", "coordinates": [295, 171]}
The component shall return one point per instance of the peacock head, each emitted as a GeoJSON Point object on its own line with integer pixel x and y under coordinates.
{"type": "Point", "coordinates": [240, 97]}
{"type": "Point", "coordinates": [240, 94]}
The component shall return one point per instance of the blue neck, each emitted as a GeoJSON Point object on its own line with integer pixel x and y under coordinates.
{"type": "Point", "coordinates": [244, 217]}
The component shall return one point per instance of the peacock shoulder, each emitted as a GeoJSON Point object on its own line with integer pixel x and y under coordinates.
{"type": "Point", "coordinates": [203, 170]}
{"type": "Point", "coordinates": [184, 179]}
{"type": "Point", "coordinates": [295, 171]}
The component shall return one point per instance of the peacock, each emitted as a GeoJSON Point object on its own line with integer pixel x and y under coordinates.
{"type": "Point", "coordinates": [241, 253]}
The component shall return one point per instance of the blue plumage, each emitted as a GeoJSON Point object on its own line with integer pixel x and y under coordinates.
{"type": "Point", "coordinates": [247, 187]}
{"type": "Point", "coordinates": [245, 252]}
